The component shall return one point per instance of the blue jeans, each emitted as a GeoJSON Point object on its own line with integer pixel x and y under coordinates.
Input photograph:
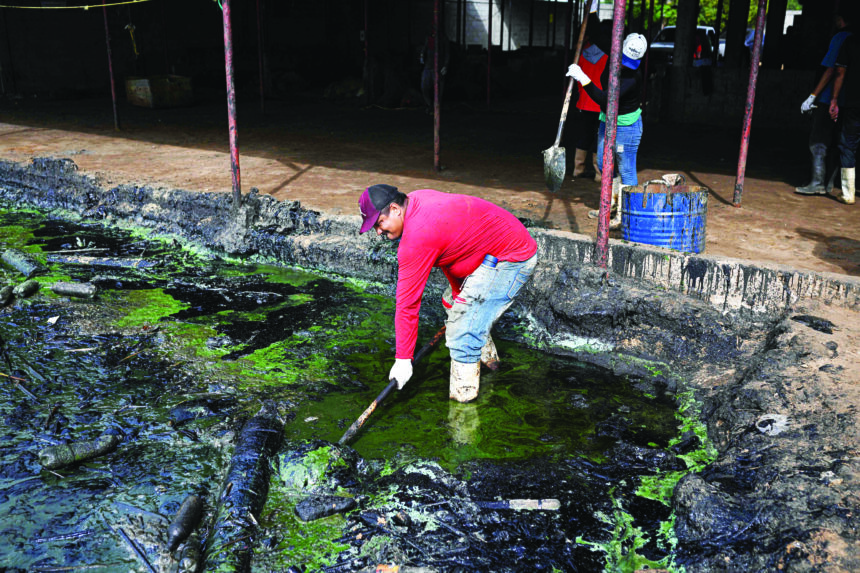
{"type": "Point", "coordinates": [627, 139]}
{"type": "Point", "coordinates": [486, 295]}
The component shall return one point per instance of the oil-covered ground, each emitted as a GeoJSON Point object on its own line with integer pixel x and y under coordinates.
{"type": "Point", "coordinates": [177, 354]}
{"type": "Point", "coordinates": [677, 425]}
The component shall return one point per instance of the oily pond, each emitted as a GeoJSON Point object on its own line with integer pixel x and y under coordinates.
{"type": "Point", "coordinates": [233, 380]}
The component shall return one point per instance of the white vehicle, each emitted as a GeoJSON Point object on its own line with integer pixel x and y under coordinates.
{"type": "Point", "coordinates": [663, 46]}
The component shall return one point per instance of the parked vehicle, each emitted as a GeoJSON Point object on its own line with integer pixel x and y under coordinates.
{"type": "Point", "coordinates": [663, 46]}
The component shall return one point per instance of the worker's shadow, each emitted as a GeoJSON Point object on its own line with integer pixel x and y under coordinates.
{"type": "Point", "coordinates": [564, 198]}
{"type": "Point", "coordinates": [841, 251]}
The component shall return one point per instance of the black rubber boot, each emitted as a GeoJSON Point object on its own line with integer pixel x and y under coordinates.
{"type": "Point", "coordinates": [816, 186]}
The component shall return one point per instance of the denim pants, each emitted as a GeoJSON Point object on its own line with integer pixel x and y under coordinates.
{"type": "Point", "coordinates": [627, 139]}
{"type": "Point", "coordinates": [486, 295]}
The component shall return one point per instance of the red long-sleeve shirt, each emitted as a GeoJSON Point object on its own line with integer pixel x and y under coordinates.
{"type": "Point", "coordinates": [452, 232]}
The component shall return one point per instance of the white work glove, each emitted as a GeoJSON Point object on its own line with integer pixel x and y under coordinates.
{"type": "Point", "coordinates": [576, 73]}
{"type": "Point", "coordinates": [401, 371]}
{"type": "Point", "coordinates": [808, 104]}
{"type": "Point", "coordinates": [443, 71]}
{"type": "Point", "coordinates": [593, 6]}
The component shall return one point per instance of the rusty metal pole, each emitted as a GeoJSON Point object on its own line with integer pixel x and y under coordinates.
{"type": "Point", "coordinates": [368, 75]}
{"type": "Point", "coordinates": [645, 70]}
{"type": "Point", "coordinates": [260, 55]}
{"type": "Point", "coordinates": [110, 69]}
{"type": "Point", "coordinates": [437, 92]}
{"type": "Point", "coordinates": [231, 105]}
{"type": "Point", "coordinates": [489, 46]}
{"type": "Point", "coordinates": [611, 129]}
{"type": "Point", "coordinates": [745, 137]}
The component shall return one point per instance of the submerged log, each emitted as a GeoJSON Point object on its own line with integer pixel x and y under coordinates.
{"type": "Point", "coordinates": [544, 504]}
{"type": "Point", "coordinates": [81, 290]}
{"type": "Point", "coordinates": [25, 263]}
{"type": "Point", "coordinates": [320, 506]}
{"type": "Point", "coordinates": [5, 295]}
{"type": "Point", "coordinates": [25, 289]}
{"type": "Point", "coordinates": [185, 522]}
{"type": "Point", "coordinates": [243, 494]}
{"type": "Point", "coordinates": [54, 457]}
{"type": "Point", "coordinates": [102, 261]}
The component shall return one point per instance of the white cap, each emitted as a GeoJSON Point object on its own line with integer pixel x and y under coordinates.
{"type": "Point", "coordinates": [635, 46]}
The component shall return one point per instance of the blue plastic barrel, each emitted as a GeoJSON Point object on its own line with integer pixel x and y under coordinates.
{"type": "Point", "coordinates": [665, 215]}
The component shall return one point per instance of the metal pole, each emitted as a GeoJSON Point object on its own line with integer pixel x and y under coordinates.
{"type": "Point", "coordinates": [510, 23]}
{"type": "Point", "coordinates": [465, 26]}
{"type": "Point", "coordinates": [645, 70]}
{"type": "Point", "coordinates": [459, 20]}
{"type": "Point", "coordinates": [567, 31]}
{"type": "Point", "coordinates": [437, 107]}
{"type": "Point", "coordinates": [489, 47]}
{"type": "Point", "coordinates": [745, 137]}
{"type": "Point", "coordinates": [609, 138]}
{"type": "Point", "coordinates": [718, 23]}
{"type": "Point", "coordinates": [110, 69]}
{"type": "Point", "coordinates": [502, 24]}
{"type": "Point", "coordinates": [368, 81]}
{"type": "Point", "coordinates": [531, 24]}
{"type": "Point", "coordinates": [260, 55]}
{"type": "Point", "coordinates": [231, 105]}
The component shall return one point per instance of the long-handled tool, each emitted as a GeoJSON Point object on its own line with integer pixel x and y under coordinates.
{"type": "Point", "coordinates": [554, 160]}
{"type": "Point", "coordinates": [392, 384]}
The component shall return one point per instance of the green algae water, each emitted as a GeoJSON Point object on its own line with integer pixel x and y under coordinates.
{"type": "Point", "coordinates": [173, 358]}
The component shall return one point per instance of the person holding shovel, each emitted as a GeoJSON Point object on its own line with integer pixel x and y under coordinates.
{"type": "Point", "coordinates": [629, 127]}
{"type": "Point", "coordinates": [485, 252]}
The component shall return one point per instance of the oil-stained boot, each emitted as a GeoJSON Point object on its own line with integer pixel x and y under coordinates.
{"type": "Point", "coordinates": [465, 381]}
{"type": "Point", "coordinates": [597, 175]}
{"type": "Point", "coordinates": [579, 163]}
{"type": "Point", "coordinates": [819, 167]}
{"type": "Point", "coordinates": [489, 355]}
{"type": "Point", "coordinates": [847, 185]}
{"type": "Point", "coordinates": [615, 222]}
{"type": "Point", "coordinates": [614, 205]}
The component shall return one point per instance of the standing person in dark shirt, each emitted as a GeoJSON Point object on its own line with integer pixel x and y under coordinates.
{"type": "Point", "coordinates": [846, 89]}
{"type": "Point", "coordinates": [824, 136]}
{"type": "Point", "coordinates": [629, 123]}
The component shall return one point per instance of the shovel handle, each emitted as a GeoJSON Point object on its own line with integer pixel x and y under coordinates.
{"type": "Point", "coordinates": [570, 83]}
{"type": "Point", "coordinates": [392, 384]}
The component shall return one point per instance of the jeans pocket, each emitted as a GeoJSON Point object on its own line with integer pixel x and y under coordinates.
{"type": "Point", "coordinates": [517, 284]}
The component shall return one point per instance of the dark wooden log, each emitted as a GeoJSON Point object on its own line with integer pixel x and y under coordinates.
{"type": "Point", "coordinates": [54, 457]}
{"type": "Point", "coordinates": [81, 290]}
{"type": "Point", "coordinates": [25, 263]}
{"type": "Point", "coordinates": [185, 522]}
{"type": "Point", "coordinates": [129, 263]}
{"type": "Point", "coordinates": [25, 289]}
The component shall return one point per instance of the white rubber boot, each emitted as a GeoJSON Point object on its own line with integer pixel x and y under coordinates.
{"type": "Point", "coordinates": [847, 185]}
{"type": "Point", "coordinates": [465, 381]}
{"type": "Point", "coordinates": [615, 222]}
{"type": "Point", "coordinates": [614, 204]}
{"type": "Point", "coordinates": [579, 163]}
{"type": "Point", "coordinates": [489, 355]}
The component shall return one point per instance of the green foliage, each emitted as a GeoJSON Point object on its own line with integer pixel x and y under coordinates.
{"type": "Point", "coordinates": [707, 12]}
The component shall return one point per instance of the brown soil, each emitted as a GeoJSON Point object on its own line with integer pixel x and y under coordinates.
{"type": "Point", "coordinates": [323, 154]}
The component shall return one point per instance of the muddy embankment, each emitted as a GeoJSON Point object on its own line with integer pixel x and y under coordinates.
{"type": "Point", "coordinates": [777, 390]}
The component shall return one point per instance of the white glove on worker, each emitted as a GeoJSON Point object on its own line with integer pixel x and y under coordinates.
{"type": "Point", "coordinates": [443, 71]}
{"type": "Point", "coordinates": [401, 371]}
{"type": "Point", "coordinates": [593, 6]}
{"type": "Point", "coordinates": [576, 73]}
{"type": "Point", "coordinates": [808, 104]}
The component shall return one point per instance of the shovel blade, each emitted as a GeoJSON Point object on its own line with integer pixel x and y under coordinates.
{"type": "Point", "coordinates": [554, 167]}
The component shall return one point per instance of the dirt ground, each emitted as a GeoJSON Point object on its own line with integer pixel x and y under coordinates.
{"type": "Point", "coordinates": [324, 153]}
